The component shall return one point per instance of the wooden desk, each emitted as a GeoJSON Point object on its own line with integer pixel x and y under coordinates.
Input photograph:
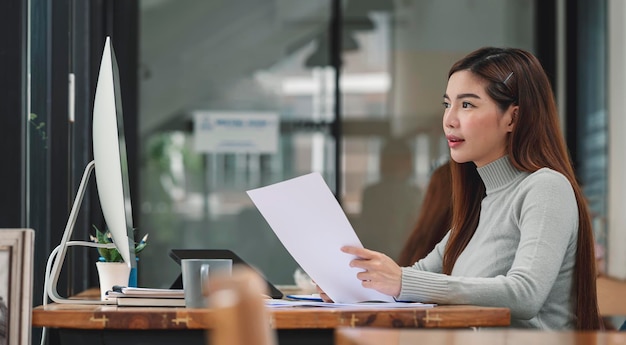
{"type": "Point", "coordinates": [293, 325]}
{"type": "Point", "coordinates": [364, 336]}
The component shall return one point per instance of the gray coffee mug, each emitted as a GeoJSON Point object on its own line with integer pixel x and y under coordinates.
{"type": "Point", "coordinates": [196, 272]}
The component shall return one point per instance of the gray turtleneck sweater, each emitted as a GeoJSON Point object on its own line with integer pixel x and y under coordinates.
{"type": "Point", "coordinates": [521, 257]}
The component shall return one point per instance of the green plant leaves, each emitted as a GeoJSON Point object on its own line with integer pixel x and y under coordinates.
{"type": "Point", "coordinates": [112, 254]}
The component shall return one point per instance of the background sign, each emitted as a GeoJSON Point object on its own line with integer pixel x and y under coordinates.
{"type": "Point", "coordinates": [236, 132]}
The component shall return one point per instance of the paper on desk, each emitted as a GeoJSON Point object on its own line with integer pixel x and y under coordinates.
{"type": "Point", "coordinates": [309, 222]}
{"type": "Point", "coordinates": [282, 303]}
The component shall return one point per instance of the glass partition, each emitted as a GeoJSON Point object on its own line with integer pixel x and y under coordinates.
{"type": "Point", "coordinates": [274, 56]}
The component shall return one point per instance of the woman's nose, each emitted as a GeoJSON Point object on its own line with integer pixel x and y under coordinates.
{"type": "Point", "coordinates": [450, 119]}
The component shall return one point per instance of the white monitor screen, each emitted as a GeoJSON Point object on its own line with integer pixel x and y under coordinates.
{"type": "Point", "coordinates": [109, 150]}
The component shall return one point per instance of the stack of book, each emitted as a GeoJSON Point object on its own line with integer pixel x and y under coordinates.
{"type": "Point", "coordinates": [134, 296]}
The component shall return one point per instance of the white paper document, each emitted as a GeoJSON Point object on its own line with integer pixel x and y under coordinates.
{"type": "Point", "coordinates": [282, 303]}
{"type": "Point", "coordinates": [309, 222]}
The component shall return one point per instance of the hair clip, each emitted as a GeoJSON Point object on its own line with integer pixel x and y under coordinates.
{"type": "Point", "coordinates": [507, 78]}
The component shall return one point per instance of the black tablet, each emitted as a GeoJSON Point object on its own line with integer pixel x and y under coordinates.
{"type": "Point", "coordinates": [179, 254]}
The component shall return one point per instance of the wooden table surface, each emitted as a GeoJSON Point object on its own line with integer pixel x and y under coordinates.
{"type": "Point", "coordinates": [367, 336]}
{"type": "Point", "coordinates": [95, 317]}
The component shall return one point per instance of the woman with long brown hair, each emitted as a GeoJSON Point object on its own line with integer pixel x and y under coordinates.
{"type": "Point", "coordinates": [521, 234]}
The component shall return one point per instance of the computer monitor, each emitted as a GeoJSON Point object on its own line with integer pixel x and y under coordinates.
{"type": "Point", "coordinates": [111, 178]}
{"type": "Point", "coordinates": [109, 153]}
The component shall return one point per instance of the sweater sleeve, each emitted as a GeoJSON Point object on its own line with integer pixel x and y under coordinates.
{"type": "Point", "coordinates": [433, 262]}
{"type": "Point", "coordinates": [548, 222]}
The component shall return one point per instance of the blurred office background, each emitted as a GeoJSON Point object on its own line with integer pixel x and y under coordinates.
{"type": "Point", "coordinates": [356, 86]}
{"type": "Point", "coordinates": [280, 57]}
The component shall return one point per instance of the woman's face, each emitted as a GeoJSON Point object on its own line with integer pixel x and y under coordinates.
{"type": "Point", "coordinates": [475, 127]}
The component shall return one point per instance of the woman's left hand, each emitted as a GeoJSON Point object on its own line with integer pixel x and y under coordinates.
{"type": "Point", "coordinates": [380, 272]}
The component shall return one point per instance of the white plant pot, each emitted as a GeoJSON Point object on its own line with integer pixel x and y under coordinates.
{"type": "Point", "coordinates": [110, 274]}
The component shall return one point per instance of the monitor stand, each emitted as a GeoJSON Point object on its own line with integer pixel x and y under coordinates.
{"type": "Point", "coordinates": [56, 258]}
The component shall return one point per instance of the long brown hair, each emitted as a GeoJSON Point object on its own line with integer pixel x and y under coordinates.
{"type": "Point", "coordinates": [515, 77]}
{"type": "Point", "coordinates": [434, 218]}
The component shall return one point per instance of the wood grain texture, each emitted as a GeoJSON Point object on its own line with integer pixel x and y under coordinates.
{"type": "Point", "coordinates": [111, 317]}
{"type": "Point", "coordinates": [368, 336]}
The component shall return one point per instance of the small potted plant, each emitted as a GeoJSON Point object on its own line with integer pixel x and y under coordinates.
{"type": "Point", "coordinates": [111, 254]}
{"type": "Point", "coordinates": [112, 270]}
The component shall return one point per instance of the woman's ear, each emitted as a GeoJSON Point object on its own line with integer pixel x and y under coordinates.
{"type": "Point", "coordinates": [513, 111]}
